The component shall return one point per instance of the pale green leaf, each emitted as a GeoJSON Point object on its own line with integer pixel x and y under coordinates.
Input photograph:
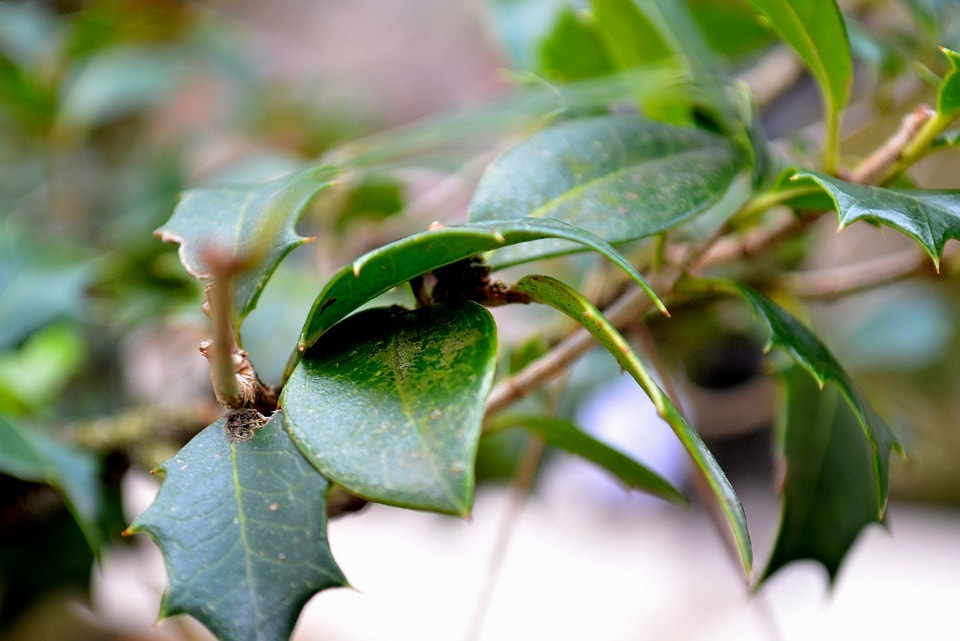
{"type": "Point", "coordinates": [242, 528]}
{"type": "Point", "coordinates": [390, 402]}
{"type": "Point", "coordinates": [552, 292]}
{"type": "Point", "coordinates": [620, 177]}
{"type": "Point", "coordinates": [253, 224]}
{"type": "Point", "coordinates": [948, 96]}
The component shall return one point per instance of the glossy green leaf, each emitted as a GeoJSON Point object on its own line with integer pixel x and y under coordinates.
{"type": "Point", "coordinates": [570, 438]}
{"type": "Point", "coordinates": [621, 177]}
{"type": "Point", "coordinates": [948, 96]}
{"type": "Point", "coordinates": [816, 30]}
{"type": "Point", "coordinates": [255, 224]}
{"type": "Point", "coordinates": [806, 349]}
{"type": "Point", "coordinates": [829, 488]}
{"type": "Point", "coordinates": [549, 291]}
{"type": "Point", "coordinates": [929, 216]}
{"type": "Point", "coordinates": [31, 455]}
{"type": "Point", "coordinates": [242, 528]}
{"type": "Point", "coordinates": [386, 267]}
{"type": "Point", "coordinates": [390, 402]}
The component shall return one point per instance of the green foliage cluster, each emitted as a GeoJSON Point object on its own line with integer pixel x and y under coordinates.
{"type": "Point", "coordinates": [633, 140]}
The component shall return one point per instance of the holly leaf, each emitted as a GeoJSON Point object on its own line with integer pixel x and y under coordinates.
{"type": "Point", "coordinates": [31, 455]}
{"type": "Point", "coordinates": [929, 216]}
{"type": "Point", "coordinates": [386, 267]}
{"type": "Point", "coordinates": [620, 177]}
{"type": "Point", "coordinates": [948, 95]}
{"type": "Point", "coordinates": [570, 438]}
{"type": "Point", "coordinates": [253, 224]}
{"type": "Point", "coordinates": [805, 348]}
{"type": "Point", "coordinates": [828, 489]}
{"type": "Point", "coordinates": [390, 402]}
{"type": "Point", "coordinates": [549, 291]}
{"type": "Point", "coordinates": [242, 528]}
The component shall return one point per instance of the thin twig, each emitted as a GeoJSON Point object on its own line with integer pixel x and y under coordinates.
{"type": "Point", "coordinates": [890, 151]}
{"type": "Point", "coordinates": [832, 282]}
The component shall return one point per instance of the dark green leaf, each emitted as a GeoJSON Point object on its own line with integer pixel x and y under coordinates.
{"type": "Point", "coordinates": [929, 216]}
{"type": "Point", "coordinates": [31, 455]}
{"type": "Point", "coordinates": [816, 30]}
{"type": "Point", "coordinates": [567, 436]}
{"type": "Point", "coordinates": [382, 269]}
{"type": "Point", "coordinates": [621, 177]}
{"type": "Point", "coordinates": [390, 402]}
{"type": "Point", "coordinates": [242, 527]}
{"type": "Point", "coordinates": [806, 349]}
{"type": "Point", "coordinates": [574, 49]}
{"type": "Point", "coordinates": [829, 487]}
{"type": "Point", "coordinates": [254, 224]}
{"type": "Point", "coordinates": [552, 292]}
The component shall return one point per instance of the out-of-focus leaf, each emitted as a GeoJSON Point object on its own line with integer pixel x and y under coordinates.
{"type": "Point", "coordinates": [32, 376]}
{"type": "Point", "coordinates": [816, 30]}
{"type": "Point", "coordinates": [389, 403]}
{"type": "Point", "coordinates": [552, 292]}
{"type": "Point", "coordinates": [806, 349]}
{"type": "Point", "coordinates": [574, 49]}
{"type": "Point", "coordinates": [729, 26]}
{"type": "Point", "coordinates": [521, 24]}
{"type": "Point", "coordinates": [36, 285]}
{"type": "Point", "coordinates": [829, 487]}
{"type": "Point", "coordinates": [375, 197]}
{"type": "Point", "coordinates": [386, 267]}
{"type": "Point", "coordinates": [929, 216]}
{"type": "Point", "coordinates": [255, 224]}
{"type": "Point", "coordinates": [31, 455]}
{"type": "Point", "coordinates": [948, 96]}
{"type": "Point", "coordinates": [242, 527]}
{"type": "Point", "coordinates": [620, 177]}
{"type": "Point", "coordinates": [567, 436]}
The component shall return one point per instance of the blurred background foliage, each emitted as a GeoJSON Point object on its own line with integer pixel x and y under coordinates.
{"type": "Point", "coordinates": [109, 108]}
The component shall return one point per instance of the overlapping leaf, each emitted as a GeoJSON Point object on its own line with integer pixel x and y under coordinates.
{"type": "Point", "coordinates": [390, 403]}
{"type": "Point", "coordinates": [552, 292]}
{"type": "Point", "coordinates": [620, 177]}
{"type": "Point", "coordinates": [253, 224]}
{"type": "Point", "coordinates": [386, 267]}
{"type": "Point", "coordinates": [810, 353]}
{"type": "Point", "coordinates": [816, 30]}
{"type": "Point", "coordinates": [31, 455]}
{"type": "Point", "coordinates": [828, 488]}
{"type": "Point", "coordinates": [929, 216]}
{"type": "Point", "coordinates": [242, 527]}
{"type": "Point", "coordinates": [570, 438]}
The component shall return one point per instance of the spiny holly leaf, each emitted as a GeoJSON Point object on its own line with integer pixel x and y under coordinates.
{"type": "Point", "coordinates": [242, 528]}
{"type": "Point", "coordinates": [254, 224]}
{"type": "Point", "coordinates": [31, 455]}
{"type": "Point", "coordinates": [816, 30]}
{"type": "Point", "coordinates": [621, 177]}
{"type": "Point", "coordinates": [948, 96]}
{"type": "Point", "coordinates": [386, 267]}
{"type": "Point", "coordinates": [390, 402]}
{"type": "Point", "coordinates": [806, 349]}
{"type": "Point", "coordinates": [929, 216]}
{"type": "Point", "coordinates": [549, 291]}
{"type": "Point", "coordinates": [829, 492]}
{"type": "Point", "coordinates": [570, 438]}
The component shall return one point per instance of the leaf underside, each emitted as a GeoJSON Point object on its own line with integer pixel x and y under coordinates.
{"type": "Point", "coordinates": [552, 292]}
{"type": "Point", "coordinates": [253, 224]}
{"type": "Point", "coordinates": [929, 216]}
{"type": "Point", "coordinates": [828, 488]}
{"type": "Point", "coordinates": [242, 528]}
{"type": "Point", "coordinates": [390, 403]}
{"type": "Point", "coordinates": [620, 177]}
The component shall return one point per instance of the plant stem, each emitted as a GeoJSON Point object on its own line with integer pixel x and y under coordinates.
{"type": "Point", "coordinates": [917, 146]}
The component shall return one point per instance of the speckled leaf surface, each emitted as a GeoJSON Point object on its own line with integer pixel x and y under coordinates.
{"type": "Point", "coordinates": [390, 402]}
{"type": "Point", "coordinates": [812, 355]}
{"type": "Point", "coordinates": [252, 223]}
{"type": "Point", "coordinates": [386, 267]}
{"type": "Point", "coordinates": [929, 216]}
{"type": "Point", "coordinates": [828, 485]}
{"type": "Point", "coordinates": [621, 177]}
{"type": "Point", "coordinates": [550, 291]}
{"type": "Point", "coordinates": [242, 528]}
